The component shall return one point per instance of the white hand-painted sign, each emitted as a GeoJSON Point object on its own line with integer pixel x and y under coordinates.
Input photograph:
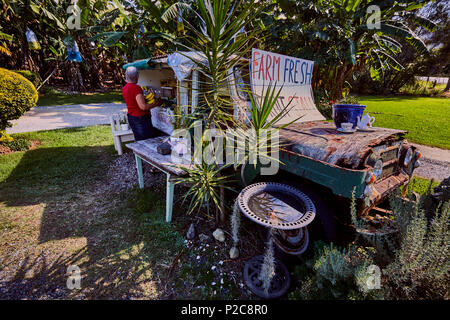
{"type": "Point", "coordinates": [294, 76]}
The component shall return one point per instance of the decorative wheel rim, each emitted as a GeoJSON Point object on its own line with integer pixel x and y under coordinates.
{"type": "Point", "coordinates": [279, 284]}
{"type": "Point", "coordinates": [298, 202]}
{"type": "Point", "coordinates": [293, 245]}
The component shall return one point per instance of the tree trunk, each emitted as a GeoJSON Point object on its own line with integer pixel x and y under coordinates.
{"type": "Point", "coordinates": [447, 88]}
{"type": "Point", "coordinates": [74, 77]}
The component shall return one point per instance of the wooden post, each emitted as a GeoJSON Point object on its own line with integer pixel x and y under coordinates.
{"type": "Point", "coordinates": [169, 198]}
{"type": "Point", "coordinates": [139, 171]}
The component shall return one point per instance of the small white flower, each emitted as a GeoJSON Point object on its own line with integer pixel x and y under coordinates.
{"type": "Point", "coordinates": [221, 262]}
{"type": "Point", "coordinates": [198, 257]}
{"type": "Point", "coordinates": [213, 283]}
{"type": "Point", "coordinates": [213, 268]}
{"type": "Point", "coordinates": [221, 281]}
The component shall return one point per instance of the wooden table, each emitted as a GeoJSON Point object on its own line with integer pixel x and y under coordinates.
{"type": "Point", "coordinates": [145, 150]}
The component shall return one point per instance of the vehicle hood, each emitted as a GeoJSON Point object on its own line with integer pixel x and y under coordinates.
{"type": "Point", "coordinates": [321, 141]}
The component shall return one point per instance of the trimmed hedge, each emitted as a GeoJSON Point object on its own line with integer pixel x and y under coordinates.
{"type": "Point", "coordinates": [17, 96]}
{"type": "Point", "coordinates": [34, 77]}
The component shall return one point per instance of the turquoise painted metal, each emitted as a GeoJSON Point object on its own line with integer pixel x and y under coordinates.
{"type": "Point", "coordinates": [139, 64]}
{"type": "Point", "coordinates": [339, 180]}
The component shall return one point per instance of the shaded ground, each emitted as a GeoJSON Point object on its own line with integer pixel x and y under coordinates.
{"type": "Point", "coordinates": [71, 201]}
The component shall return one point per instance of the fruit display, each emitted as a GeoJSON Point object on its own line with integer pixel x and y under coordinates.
{"type": "Point", "coordinates": [149, 95]}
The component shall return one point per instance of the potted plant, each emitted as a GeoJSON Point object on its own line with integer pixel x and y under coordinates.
{"type": "Point", "coordinates": [347, 110]}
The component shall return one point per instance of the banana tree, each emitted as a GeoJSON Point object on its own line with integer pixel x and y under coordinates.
{"type": "Point", "coordinates": [134, 29]}
{"type": "Point", "coordinates": [339, 37]}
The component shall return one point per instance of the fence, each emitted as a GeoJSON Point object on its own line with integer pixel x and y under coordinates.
{"type": "Point", "coordinates": [433, 79]}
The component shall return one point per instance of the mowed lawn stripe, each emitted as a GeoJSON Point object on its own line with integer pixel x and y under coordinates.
{"type": "Point", "coordinates": [427, 120]}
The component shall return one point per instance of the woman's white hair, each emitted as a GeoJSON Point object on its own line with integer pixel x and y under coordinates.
{"type": "Point", "coordinates": [131, 75]}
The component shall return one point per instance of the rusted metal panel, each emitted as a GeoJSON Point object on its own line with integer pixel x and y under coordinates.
{"type": "Point", "coordinates": [384, 187]}
{"type": "Point", "coordinates": [321, 141]}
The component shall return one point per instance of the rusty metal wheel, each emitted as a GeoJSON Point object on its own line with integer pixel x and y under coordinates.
{"type": "Point", "coordinates": [293, 242]}
{"type": "Point", "coordinates": [280, 282]}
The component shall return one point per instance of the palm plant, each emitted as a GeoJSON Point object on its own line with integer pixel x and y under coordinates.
{"type": "Point", "coordinates": [212, 34]}
{"type": "Point", "coordinates": [4, 45]}
{"type": "Point", "coordinates": [335, 34]}
{"type": "Point", "coordinates": [206, 182]}
{"type": "Point", "coordinates": [214, 38]}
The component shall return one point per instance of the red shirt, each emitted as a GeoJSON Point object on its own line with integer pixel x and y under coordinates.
{"type": "Point", "coordinates": [130, 91]}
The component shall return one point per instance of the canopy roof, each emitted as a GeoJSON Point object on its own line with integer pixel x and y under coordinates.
{"type": "Point", "coordinates": [181, 62]}
{"type": "Point", "coordinates": [147, 64]}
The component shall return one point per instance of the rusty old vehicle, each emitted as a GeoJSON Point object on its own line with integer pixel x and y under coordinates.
{"type": "Point", "coordinates": [330, 167]}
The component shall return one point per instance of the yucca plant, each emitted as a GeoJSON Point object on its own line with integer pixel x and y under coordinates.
{"type": "Point", "coordinates": [262, 126]}
{"type": "Point", "coordinates": [212, 33]}
{"type": "Point", "coordinates": [215, 38]}
{"type": "Point", "coordinates": [205, 181]}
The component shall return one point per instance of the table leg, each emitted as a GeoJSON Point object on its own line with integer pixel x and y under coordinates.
{"type": "Point", "coordinates": [169, 198]}
{"type": "Point", "coordinates": [139, 171]}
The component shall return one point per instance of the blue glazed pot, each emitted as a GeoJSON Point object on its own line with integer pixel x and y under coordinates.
{"type": "Point", "coordinates": [347, 113]}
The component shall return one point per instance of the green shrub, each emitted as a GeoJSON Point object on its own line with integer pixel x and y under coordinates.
{"type": "Point", "coordinates": [413, 262]}
{"type": "Point", "coordinates": [421, 266]}
{"type": "Point", "coordinates": [18, 144]}
{"type": "Point", "coordinates": [335, 273]}
{"type": "Point", "coordinates": [33, 77]}
{"type": "Point", "coordinates": [17, 96]}
{"type": "Point", "coordinates": [415, 259]}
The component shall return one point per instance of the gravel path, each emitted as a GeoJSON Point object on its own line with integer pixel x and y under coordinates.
{"type": "Point", "coordinates": [57, 117]}
{"type": "Point", "coordinates": [435, 163]}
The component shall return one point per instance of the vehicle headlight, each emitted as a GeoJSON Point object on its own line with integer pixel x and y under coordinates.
{"type": "Point", "coordinates": [370, 178]}
{"type": "Point", "coordinates": [417, 164]}
{"type": "Point", "coordinates": [378, 168]}
{"type": "Point", "coordinates": [408, 157]}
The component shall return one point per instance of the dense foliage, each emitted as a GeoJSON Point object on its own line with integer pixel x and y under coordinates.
{"type": "Point", "coordinates": [411, 263]}
{"type": "Point", "coordinates": [333, 33]}
{"type": "Point", "coordinates": [337, 35]}
{"type": "Point", "coordinates": [33, 77]}
{"type": "Point", "coordinates": [17, 96]}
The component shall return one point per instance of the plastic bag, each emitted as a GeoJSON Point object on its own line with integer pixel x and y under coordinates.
{"type": "Point", "coordinates": [73, 53]}
{"type": "Point", "coordinates": [32, 40]}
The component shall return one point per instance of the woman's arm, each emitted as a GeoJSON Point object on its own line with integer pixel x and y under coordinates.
{"type": "Point", "coordinates": [145, 106]}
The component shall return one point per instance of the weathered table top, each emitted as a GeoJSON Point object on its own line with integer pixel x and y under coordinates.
{"type": "Point", "coordinates": [146, 149]}
{"type": "Point", "coordinates": [321, 141]}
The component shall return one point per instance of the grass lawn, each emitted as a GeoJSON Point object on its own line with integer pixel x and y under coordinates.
{"type": "Point", "coordinates": [426, 119]}
{"type": "Point", "coordinates": [55, 98]}
{"type": "Point", "coordinates": [59, 207]}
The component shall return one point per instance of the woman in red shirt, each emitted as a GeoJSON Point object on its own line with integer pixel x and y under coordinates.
{"type": "Point", "coordinates": [139, 116]}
